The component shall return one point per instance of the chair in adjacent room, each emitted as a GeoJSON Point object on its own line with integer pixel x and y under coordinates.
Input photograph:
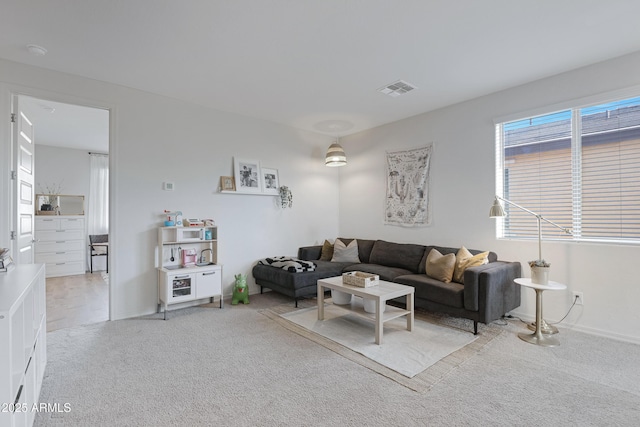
{"type": "Point", "coordinates": [99, 246]}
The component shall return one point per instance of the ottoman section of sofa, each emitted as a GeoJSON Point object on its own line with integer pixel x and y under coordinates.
{"type": "Point", "coordinates": [296, 285]}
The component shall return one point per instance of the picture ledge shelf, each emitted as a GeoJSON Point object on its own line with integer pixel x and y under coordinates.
{"type": "Point", "coordinates": [248, 193]}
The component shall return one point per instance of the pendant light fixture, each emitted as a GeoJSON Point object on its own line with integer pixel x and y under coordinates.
{"type": "Point", "coordinates": [335, 155]}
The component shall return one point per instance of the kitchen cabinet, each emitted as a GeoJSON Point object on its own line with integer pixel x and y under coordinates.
{"type": "Point", "coordinates": [188, 270]}
{"type": "Point", "coordinates": [23, 355]}
{"type": "Point", "coordinates": [60, 244]}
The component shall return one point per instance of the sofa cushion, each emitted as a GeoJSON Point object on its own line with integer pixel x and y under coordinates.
{"type": "Point", "coordinates": [385, 273]}
{"type": "Point", "coordinates": [401, 255]}
{"type": "Point", "coordinates": [450, 294]}
{"type": "Point", "coordinates": [492, 257]}
{"type": "Point", "coordinates": [364, 249]}
{"type": "Point", "coordinates": [310, 253]}
{"type": "Point", "coordinates": [265, 274]}
{"type": "Point", "coordinates": [345, 252]}
{"type": "Point", "coordinates": [464, 260]}
{"type": "Point", "coordinates": [440, 266]}
{"type": "Point", "coordinates": [327, 251]}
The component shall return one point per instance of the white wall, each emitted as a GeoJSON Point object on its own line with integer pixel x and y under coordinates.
{"type": "Point", "coordinates": [67, 167]}
{"type": "Point", "coordinates": [157, 139]}
{"type": "Point", "coordinates": [462, 189]}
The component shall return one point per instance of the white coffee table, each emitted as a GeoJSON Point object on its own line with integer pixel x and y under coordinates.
{"type": "Point", "coordinates": [381, 293]}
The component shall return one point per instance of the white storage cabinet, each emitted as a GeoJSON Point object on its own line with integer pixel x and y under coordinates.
{"type": "Point", "coordinates": [188, 285]}
{"type": "Point", "coordinates": [61, 245]}
{"type": "Point", "coordinates": [23, 355]}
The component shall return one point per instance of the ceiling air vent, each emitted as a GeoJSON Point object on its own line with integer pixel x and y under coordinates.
{"type": "Point", "coordinates": [397, 88]}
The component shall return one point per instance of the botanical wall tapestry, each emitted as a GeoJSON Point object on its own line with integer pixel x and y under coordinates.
{"type": "Point", "coordinates": [407, 201]}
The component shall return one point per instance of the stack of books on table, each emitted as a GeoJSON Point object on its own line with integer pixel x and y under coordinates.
{"type": "Point", "coordinates": [6, 262]}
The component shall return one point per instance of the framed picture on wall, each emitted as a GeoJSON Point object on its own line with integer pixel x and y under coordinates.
{"type": "Point", "coordinates": [248, 175]}
{"type": "Point", "coordinates": [227, 183]}
{"type": "Point", "coordinates": [270, 182]}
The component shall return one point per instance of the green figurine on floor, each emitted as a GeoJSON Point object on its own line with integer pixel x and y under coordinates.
{"type": "Point", "coordinates": [240, 290]}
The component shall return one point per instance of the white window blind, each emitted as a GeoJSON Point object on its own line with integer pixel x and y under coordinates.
{"type": "Point", "coordinates": [611, 171]}
{"type": "Point", "coordinates": [579, 168]}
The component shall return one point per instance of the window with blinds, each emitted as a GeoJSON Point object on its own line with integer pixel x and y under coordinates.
{"type": "Point", "coordinates": [579, 168]}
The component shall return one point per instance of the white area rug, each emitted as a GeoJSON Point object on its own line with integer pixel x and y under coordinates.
{"type": "Point", "coordinates": [406, 352]}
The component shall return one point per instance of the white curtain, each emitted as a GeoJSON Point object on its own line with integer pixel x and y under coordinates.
{"type": "Point", "coordinates": [98, 204]}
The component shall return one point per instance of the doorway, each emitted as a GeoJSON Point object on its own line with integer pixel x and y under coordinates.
{"type": "Point", "coordinates": [67, 139]}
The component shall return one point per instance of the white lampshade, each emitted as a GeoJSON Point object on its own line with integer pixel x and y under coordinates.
{"type": "Point", "coordinates": [496, 210]}
{"type": "Point", "coordinates": [335, 156]}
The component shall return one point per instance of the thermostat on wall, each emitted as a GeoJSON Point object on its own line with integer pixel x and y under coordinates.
{"type": "Point", "coordinates": [167, 186]}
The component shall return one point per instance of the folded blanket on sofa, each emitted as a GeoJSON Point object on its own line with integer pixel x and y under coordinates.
{"type": "Point", "coordinates": [293, 265]}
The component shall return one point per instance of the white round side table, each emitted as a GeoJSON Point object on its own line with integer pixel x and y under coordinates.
{"type": "Point", "coordinates": [537, 337]}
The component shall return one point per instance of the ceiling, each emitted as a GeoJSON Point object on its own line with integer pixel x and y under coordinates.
{"type": "Point", "coordinates": [317, 65]}
{"type": "Point", "coordinates": [70, 126]}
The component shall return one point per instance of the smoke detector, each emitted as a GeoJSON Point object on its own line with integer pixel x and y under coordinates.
{"type": "Point", "coordinates": [36, 50]}
{"type": "Point", "coordinates": [397, 88]}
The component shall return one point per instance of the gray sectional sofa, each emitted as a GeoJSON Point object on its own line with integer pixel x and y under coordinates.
{"type": "Point", "coordinates": [488, 291]}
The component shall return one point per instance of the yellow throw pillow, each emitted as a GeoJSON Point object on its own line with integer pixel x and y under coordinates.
{"type": "Point", "coordinates": [440, 267]}
{"type": "Point", "coordinates": [465, 259]}
{"type": "Point", "coordinates": [327, 251]}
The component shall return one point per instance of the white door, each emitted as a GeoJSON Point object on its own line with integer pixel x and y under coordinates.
{"type": "Point", "coordinates": [23, 141]}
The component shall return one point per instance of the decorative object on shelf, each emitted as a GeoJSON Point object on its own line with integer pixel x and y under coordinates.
{"type": "Point", "coordinates": [240, 290]}
{"type": "Point", "coordinates": [192, 222]}
{"type": "Point", "coordinates": [50, 192]}
{"type": "Point", "coordinates": [270, 181]}
{"type": "Point", "coordinates": [286, 197]}
{"type": "Point", "coordinates": [189, 257]}
{"type": "Point", "coordinates": [49, 198]}
{"type": "Point", "coordinates": [335, 155]}
{"type": "Point", "coordinates": [408, 201]}
{"type": "Point", "coordinates": [539, 267]}
{"type": "Point", "coordinates": [227, 183]}
{"type": "Point", "coordinates": [173, 218]}
{"type": "Point", "coordinates": [247, 175]}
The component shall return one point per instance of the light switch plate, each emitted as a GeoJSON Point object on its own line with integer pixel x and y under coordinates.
{"type": "Point", "coordinates": [167, 186]}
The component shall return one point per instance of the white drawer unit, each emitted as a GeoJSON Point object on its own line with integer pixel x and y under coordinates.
{"type": "Point", "coordinates": [61, 244]}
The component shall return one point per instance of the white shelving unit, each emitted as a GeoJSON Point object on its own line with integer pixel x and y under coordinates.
{"type": "Point", "coordinates": [61, 244]}
{"type": "Point", "coordinates": [23, 355]}
{"type": "Point", "coordinates": [188, 285]}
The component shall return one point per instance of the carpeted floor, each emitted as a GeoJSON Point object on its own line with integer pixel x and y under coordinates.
{"type": "Point", "coordinates": [421, 382]}
{"type": "Point", "coordinates": [237, 367]}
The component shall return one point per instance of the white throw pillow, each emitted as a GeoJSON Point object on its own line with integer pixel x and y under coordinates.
{"type": "Point", "coordinates": [345, 253]}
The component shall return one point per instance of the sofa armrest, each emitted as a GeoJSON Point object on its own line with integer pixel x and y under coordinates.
{"type": "Point", "coordinates": [309, 253]}
{"type": "Point", "coordinates": [490, 290]}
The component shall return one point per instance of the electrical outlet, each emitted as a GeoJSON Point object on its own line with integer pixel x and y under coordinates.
{"type": "Point", "coordinates": [579, 298]}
